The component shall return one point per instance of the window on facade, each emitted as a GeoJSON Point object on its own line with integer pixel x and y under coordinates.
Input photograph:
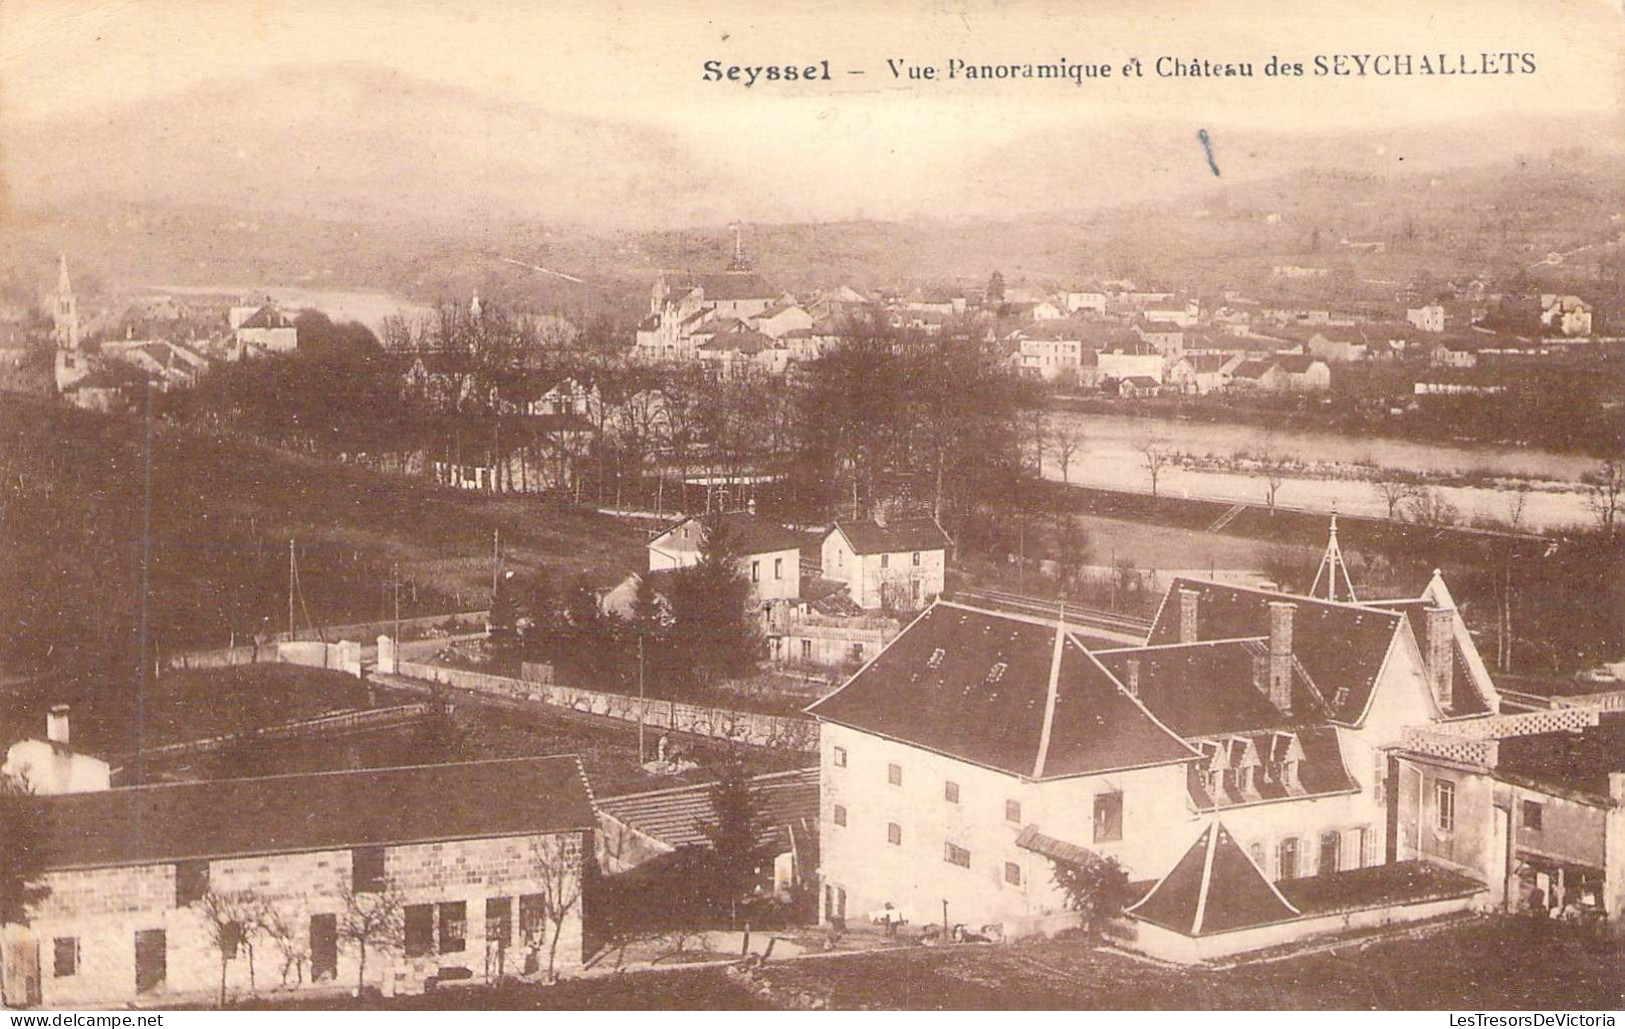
{"type": "Point", "coordinates": [1108, 817]}
{"type": "Point", "coordinates": [885, 560]}
{"type": "Point", "coordinates": [367, 869]}
{"type": "Point", "coordinates": [499, 920]}
{"type": "Point", "coordinates": [956, 855]}
{"type": "Point", "coordinates": [1444, 805]}
{"type": "Point", "coordinates": [1331, 847]}
{"type": "Point", "coordinates": [778, 568]}
{"type": "Point", "coordinates": [65, 956]}
{"type": "Point", "coordinates": [840, 814]}
{"type": "Point", "coordinates": [1531, 815]}
{"type": "Point", "coordinates": [191, 882]}
{"type": "Point", "coordinates": [419, 919]}
{"type": "Point", "coordinates": [1288, 858]}
{"type": "Point", "coordinates": [806, 650]}
{"type": "Point", "coordinates": [1012, 811]}
{"type": "Point", "coordinates": [453, 927]}
{"type": "Point", "coordinates": [1256, 852]}
{"type": "Point", "coordinates": [950, 792]}
{"type": "Point", "coordinates": [916, 558]}
{"type": "Point", "coordinates": [532, 917]}
{"type": "Point", "coordinates": [1012, 873]}
{"type": "Point", "coordinates": [756, 571]}
{"type": "Point", "coordinates": [839, 756]}
{"type": "Point", "coordinates": [894, 834]}
{"type": "Point", "coordinates": [1363, 856]}
{"type": "Point", "coordinates": [894, 774]}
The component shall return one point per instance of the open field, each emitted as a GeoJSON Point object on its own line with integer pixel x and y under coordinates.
{"type": "Point", "coordinates": [74, 500]}
{"type": "Point", "coordinates": [482, 731]}
{"type": "Point", "coordinates": [111, 720]}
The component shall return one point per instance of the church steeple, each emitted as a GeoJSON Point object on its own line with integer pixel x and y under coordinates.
{"type": "Point", "coordinates": [1333, 571]}
{"type": "Point", "coordinates": [740, 263]}
{"type": "Point", "coordinates": [65, 308]}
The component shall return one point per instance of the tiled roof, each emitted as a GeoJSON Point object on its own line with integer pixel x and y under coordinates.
{"type": "Point", "coordinates": [322, 811]}
{"type": "Point", "coordinates": [1579, 761]}
{"type": "Point", "coordinates": [1213, 888]}
{"type": "Point", "coordinates": [1340, 647]}
{"type": "Point", "coordinates": [725, 285]}
{"type": "Point", "coordinates": [1060, 850]}
{"type": "Point", "coordinates": [676, 817]}
{"type": "Point", "coordinates": [267, 317]}
{"type": "Point", "coordinates": [896, 536]}
{"type": "Point", "coordinates": [994, 690]}
{"type": "Point", "coordinates": [746, 533]}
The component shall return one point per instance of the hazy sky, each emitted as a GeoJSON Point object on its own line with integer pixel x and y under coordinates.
{"type": "Point", "coordinates": [643, 62]}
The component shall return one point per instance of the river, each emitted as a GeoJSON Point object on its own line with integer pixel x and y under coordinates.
{"type": "Point", "coordinates": [1111, 456]}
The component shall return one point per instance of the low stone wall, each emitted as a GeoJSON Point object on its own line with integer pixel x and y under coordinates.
{"type": "Point", "coordinates": [344, 656]}
{"type": "Point", "coordinates": [748, 727]}
{"type": "Point", "coordinates": [1168, 945]}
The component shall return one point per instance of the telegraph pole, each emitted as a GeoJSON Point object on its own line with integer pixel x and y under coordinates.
{"type": "Point", "coordinates": [292, 572]}
{"type": "Point", "coordinates": [643, 706]}
{"type": "Point", "coordinates": [496, 561]}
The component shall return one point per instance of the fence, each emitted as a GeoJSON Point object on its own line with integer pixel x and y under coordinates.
{"type": "Point", "coordinates": [778, 732]}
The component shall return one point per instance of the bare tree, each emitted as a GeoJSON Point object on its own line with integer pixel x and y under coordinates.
{"type": "Point", "coordinates": [1154, 453]}
{"type": "Point", "coordinates": [233, 921]}
{"type": "Point", "coordinates": [1516, 505]}
{"type": "Point", "coordinates": [1396, 493]}
{"type": "Point", "coordinates": [558, 860]}
{"type": "Point", "coordinates": [1273, 467]}
{"type": "Point", "coordinates": [372, 919]}
{"type": "Point", "coordinates": [1066, 440]}
{"type": "Point", "coordinates": [292, 943]}
{"type": "Point", "coordinates": [1431, 508]}
{"type": "Point", "coordinates": [1607, 492]}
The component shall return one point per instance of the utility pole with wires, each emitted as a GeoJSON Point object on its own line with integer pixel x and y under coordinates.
{"type": "Point", "coordinates": [496, 562]}
{"type": "Point", "coordinates": [292, 579]}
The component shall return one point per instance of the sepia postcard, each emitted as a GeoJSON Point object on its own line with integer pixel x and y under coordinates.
{"type": "Point", "coordinates": [740, 506]}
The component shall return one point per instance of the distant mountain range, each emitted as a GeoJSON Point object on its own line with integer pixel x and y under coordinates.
{"type": "Point", "coordinates": [355, 176]}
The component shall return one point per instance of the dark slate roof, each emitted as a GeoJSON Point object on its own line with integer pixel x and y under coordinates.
{"type": "Point", "coordinates": [725, 286]}
{"type": "Point", "coordinates": [1574, 761]}
{"type": "Point", "coordinates": [1206, 689]}
{"type": "Point", "coordinates": [747, 533]}
{"type": "Point", "coordinates": [267, 317]}
{"type": "Point", "coordinates": [977, 686]}
{"type": "Point", "coordinates": [1213, 888]}
{"type": "Point", "coordinates": [1339, 647]}
{"type": "Point", "coordinates": [1031, 839]}
{"type": "Point", "coordinates": [322, 811]}
{"type": "Point", "coordinates": [675, 816]}
{"type": "Point", "coordinates": [897, 536]}
{"type": "Point", "coordinates": [745, 341]}
{"type": "Point", "coordinates": [1297, 364]}
{"type": "Point", "coordinates": [1464, 696]}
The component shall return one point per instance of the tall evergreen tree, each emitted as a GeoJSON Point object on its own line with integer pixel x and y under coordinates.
{"type": "Point", "coordinates": [731, 868]}
{"type": "Point", "coordinates": [715, 630]}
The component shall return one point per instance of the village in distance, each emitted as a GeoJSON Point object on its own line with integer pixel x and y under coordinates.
{"type": "Point", "coordinates": [1209, 602]}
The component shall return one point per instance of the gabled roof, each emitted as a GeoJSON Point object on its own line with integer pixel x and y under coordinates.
{"type": "Point", "coordinates": [724, 285]}
{"type": "Point", "coordinates": [1297, 364]}
{"type": "Point", "coordinates": [676, 817]}
{"type": "Point", "coordinates": [1004, 692]}
{"type": "Point", "coordinates": [747, 533]}
{"type": "Point", "coordinates": [267, 317]}
{"type": "Point", "coordinates": [898, 535]}
{"type": "Point", "coordinates": [321, 811]}
{"type": "Point", "coordinates": [1340, 647]}
{"type": "Point", "coordinates": [1213, 888]}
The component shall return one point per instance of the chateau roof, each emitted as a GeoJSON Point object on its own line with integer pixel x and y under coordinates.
{"type": "Point", "coordinates": [1004, 692]}
{"type": "Point", "coordinates": [1213, 888]}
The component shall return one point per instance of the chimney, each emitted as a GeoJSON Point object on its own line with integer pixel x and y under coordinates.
{"type": "Point", "coordinates": [1439, 652]}
{"type": "Point", "coordinates": [1188, 600]}
{"type": "Point", "coordinates": [1134, 676]}
{"type": "Point", "coordinates": [56, 724]}
{"type": "Point", "coordinates": [1281, 653]}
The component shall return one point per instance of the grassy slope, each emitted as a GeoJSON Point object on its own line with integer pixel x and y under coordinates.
{"type": "Point", "coordinates": [72, 514]}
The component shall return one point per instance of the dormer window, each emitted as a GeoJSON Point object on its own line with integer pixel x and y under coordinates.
{"type": "Point", "coordinates": [935, 660]}
{"type": "Point", "coordinates": [995, 673]}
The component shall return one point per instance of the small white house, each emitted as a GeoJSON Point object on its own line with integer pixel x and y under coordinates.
{"type": "Point", "coordinates": [891, 563]}
{"type": "Point", "coordinates": [768, 554]}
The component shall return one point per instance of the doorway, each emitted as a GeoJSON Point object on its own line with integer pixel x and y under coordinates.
{"type": "Point", "coordinates": [151, 960]}
{"type": "Point", "coordinates": [324, 948]}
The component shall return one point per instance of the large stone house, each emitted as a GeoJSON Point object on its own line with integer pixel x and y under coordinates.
{"type": "Point", "coordinates": [981, 746]}
{"type": "Point", "coordinates": [158, 892]}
